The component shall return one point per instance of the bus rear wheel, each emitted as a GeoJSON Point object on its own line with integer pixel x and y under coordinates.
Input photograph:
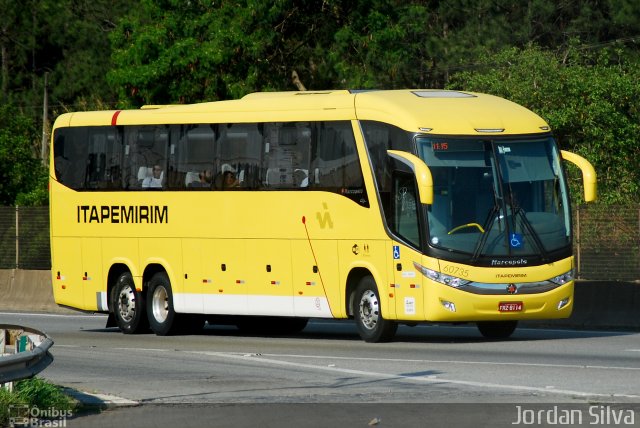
{"type": "Point", "coordinates": [497, 329]}
{"type": "Point", "coordinates": [371, 325]}
{"type": "Point", "coordinates": [128, 306]}
{"type": "Point", "coordinates": [163, 319]}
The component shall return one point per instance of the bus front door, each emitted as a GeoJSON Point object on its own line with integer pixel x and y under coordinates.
{"type": "Point", "coordinates": [405, 225]}
{"type": "Point", "coordinates": [407, 284]}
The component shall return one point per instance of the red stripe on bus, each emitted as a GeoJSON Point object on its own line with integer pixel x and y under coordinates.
{"type": "Point", "coordinates": [114, 119]}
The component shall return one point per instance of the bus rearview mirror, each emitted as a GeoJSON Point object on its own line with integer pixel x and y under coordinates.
{"type": "Point", "coordinates": [421, 171]}
{"type": "Point", "coordinates": [588, 174]}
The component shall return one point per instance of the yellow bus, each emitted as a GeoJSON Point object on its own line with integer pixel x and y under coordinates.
{"type": "Point", "coordinates": [385, 207]}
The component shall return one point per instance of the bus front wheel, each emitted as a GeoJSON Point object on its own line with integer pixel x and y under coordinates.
{"type": "Point", "coordinates": [371, 325]}
{"type": "Point", "coordinates": [497, 329]}
{"type": "Point", "coordinates": [128, 306]}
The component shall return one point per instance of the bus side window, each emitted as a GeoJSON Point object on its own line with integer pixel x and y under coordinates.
{"type": "Point", "coordinates": [238, 156]}
{"type": "Point", "coordinates": [286, 148]}
{"type": "Point", "coordinates": [71, 148]}
{"type": "Point", "coordinates": [104, 161]}
{"type": "Point", "coordinates": [192, 158]}
{"type": "Point", "coordinates": [335, 165]}
{"type": "Point", "coordinates": [146, 156]}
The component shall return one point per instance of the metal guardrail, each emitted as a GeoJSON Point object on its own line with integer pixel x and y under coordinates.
{"type": "Point", "coordinates": [23, 363]}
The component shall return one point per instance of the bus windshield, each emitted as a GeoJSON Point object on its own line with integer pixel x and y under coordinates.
{"type": "Point", "coordinates": [496, 198]}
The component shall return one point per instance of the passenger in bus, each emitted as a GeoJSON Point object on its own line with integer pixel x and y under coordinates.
{"type": "Point", "coordinates": [301, 177]}
{"type": "Point", "coordinates": [204, 179]}
{"type": "Point", "coordinates": [229, 180]}
{"type": "Point", "coordinates": [155, 179]}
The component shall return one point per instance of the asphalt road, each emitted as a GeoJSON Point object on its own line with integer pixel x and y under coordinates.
{"type": "Point", "coordinates": [325, 376]}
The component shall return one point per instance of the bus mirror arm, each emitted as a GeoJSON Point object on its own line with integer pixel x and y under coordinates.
{"type": "Point", "coordinates": [421, 171]}
{"type": "Point", "coordinates": [588, 174]}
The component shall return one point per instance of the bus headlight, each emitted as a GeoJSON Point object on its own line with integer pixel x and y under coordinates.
{"type": "Point", "coordinates": [562, 279]}
{"type": "Point", "coordinates": [450, 280]}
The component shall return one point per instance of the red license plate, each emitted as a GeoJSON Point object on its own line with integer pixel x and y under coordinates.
{"type": "Point", "coordinates": [510, 306]}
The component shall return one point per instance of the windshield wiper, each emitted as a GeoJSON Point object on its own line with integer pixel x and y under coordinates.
{"type": "Point", "coordinates": [527, 224]}
{"type": "Point", "coordinates": [516, 210]}
{"type": "Point", "coordinates": [488, 225]}
{"type": "Point", "coordinates": [498, 203]}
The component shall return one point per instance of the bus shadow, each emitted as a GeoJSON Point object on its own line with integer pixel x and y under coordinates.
{"type": "Point", "coordinates": [345, 330]}
{"type": "Point", "coordinates": [423, 333]}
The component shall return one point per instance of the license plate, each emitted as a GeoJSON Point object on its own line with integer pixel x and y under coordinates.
{"type": "Point", "coordinates": [510, 306]}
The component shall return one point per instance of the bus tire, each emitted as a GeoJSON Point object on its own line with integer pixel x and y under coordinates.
{"type": "Point", "coordinates": [129, 306]}
{"type": "Point", "coordinates": [497, 329]}
{"type": "Point", "coordinates": [163, 319]}
{"type": "Point", "coordinates": [371, 325]}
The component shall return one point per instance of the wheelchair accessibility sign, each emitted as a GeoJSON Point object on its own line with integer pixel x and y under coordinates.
{"type": "Point", "coordinates": [396, 252]}
{"type": "Point", "coordinates": [515, 240]}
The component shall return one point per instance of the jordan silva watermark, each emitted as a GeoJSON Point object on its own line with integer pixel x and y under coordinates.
{"type": "Point", "coordinates": [594, 415]}
{"type": "Point", "coordinates": [22, 415]}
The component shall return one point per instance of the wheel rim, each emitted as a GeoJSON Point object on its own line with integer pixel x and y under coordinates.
{"type": "Point", "coordinates": [127, 303]}
{"type": "Point", "coordinates": [369, 309]}
{"type": "Point", "coordinates": [160, 304]}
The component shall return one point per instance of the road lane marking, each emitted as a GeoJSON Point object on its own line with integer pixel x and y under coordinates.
{"type": "Point", "coordinates": [490, 363]}
{"type": "Point", "coordinates": [270, 359]}
{"type": "Point", "coordinates": [420, 379]}
{"type": "Point", "coordinates": [95, 399]}
{"type": "Point", "coordinates": [391, 360]}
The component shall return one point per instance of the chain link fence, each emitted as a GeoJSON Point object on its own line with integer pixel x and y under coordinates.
{"type": "Point", "coordinates": [606, 240]}
{"type": "Point", "coordinates": [24, 238]}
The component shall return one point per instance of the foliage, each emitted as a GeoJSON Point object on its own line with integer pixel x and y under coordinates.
{"type": "Point", "coordinates": [393, 44]}
{"type": "Point", "coordinates": [99, 53]}
{"type": "Point", "coordinates": [590, 102]}
{"type": "Point", "coordinates": [34, 392]}
{"type": "Point", "coordinates": [43, 394]}
{"type": "Point", "coordinates": [23, 178]}
{"type": "Point", "coordinates": [173, 51]}
{"type": "Point", "coordinates": [7, 399]}
{"type": "Point", "coordinates": [66, 39]}
{"type": "Point", "coordinates": [180, 52]}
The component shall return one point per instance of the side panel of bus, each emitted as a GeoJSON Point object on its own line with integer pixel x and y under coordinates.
{"type": "Point", "coordinates": [92, 275]}
{"type": "Point", "coordinates": [223, 263]}
{"type": "Point", "coordinates": [268, 271]}
{"type": "Point", "coordinates": [66, 271]}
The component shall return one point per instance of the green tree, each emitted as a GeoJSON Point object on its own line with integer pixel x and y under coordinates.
{"type": "Point", "coordinates": [172, 51]}
{"type": "Point", "coordinates": [384, 45]}
{"type": "Point", "coordinates": [17, 44]}
{"type": "Point", "coordinates": [23, 179]}
{"type": "Point", "coordinates": [68, 39]}
{"type": "Point", "coordinates": [590, 102]}
{"type": "Point", "coordinates": [75, 48]}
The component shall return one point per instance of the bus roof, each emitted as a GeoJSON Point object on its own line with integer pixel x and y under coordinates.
{"type": "Point", "coordinates": [448, 112]}
{"type": "Point", "coordinates": [440, 112]}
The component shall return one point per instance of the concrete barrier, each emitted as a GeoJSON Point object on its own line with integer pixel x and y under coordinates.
{"type": "Point", "coordinates": [27, 291]}
{"type": "Point", "coordinates": [598, 304]}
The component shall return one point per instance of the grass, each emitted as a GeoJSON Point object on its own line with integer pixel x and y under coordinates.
{"type": "Point", "coordinates": [35, 393]}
